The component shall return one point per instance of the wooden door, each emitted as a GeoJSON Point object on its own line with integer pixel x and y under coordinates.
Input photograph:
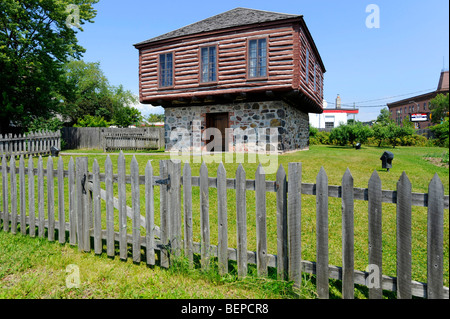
{"type": "Point", "coordinates": [220, 122]}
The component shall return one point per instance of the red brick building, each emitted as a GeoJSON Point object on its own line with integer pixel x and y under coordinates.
{"type": "Point", "coordinates": [417, 108]}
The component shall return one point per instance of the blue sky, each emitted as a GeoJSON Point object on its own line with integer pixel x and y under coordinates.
{"type": "Point", "coordinates": [401, 58]}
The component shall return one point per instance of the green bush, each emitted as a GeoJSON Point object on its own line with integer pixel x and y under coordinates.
{"type": "Point", "coordinates": [321, 138]}
{"type": "Point", "coordinates": [92, 121]}
{"type": "Point", "coordinates": [441, 133]}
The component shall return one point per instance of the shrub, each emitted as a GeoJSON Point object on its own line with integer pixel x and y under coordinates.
{"type": "Point", "coordinates": [350, 134]}
{"type": "Point", "coordinates": [321, 138]}
{"type": "Point", "coordinates": [92, 121]}
{"type": "Point", "coordinates": [441, 133]}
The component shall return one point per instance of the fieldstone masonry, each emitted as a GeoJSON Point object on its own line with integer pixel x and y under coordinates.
{"type": "Point", "coordinates": [291, 124]}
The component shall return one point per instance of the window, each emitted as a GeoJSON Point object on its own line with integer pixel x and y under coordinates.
{"type": "Point", "coordinates": [165, 70]}
{"type": "Point", "coordinates": [208, 67]}
{"type": "Point", "coordinates": [307, 66]}
{"type": "Point", "coordinates": [329, 121]}
{"type": "Point", "coordinates": [257, 58]}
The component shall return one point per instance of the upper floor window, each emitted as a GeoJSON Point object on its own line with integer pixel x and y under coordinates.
{"type": "Point", "coordinates": [166, 70]}
{"type": "Point", "coordinates": [208, 64]}
{"type": "Point", "coordinates": [257, 58]}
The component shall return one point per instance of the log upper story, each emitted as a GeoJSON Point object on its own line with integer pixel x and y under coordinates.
{"type": "Point", "coordinates": [237, 55]}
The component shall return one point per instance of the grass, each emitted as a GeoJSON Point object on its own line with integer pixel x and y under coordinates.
{"type": "Point", "coordinates": [335, 160]}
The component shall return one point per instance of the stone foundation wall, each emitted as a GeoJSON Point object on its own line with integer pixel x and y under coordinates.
{"type": "Point", "coordinates": [292, 124]}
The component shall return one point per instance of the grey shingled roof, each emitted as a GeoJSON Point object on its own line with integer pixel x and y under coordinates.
{"type": "Point", "coordinates": [232, 18]}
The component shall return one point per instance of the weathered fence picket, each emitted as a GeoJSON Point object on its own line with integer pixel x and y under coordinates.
{"type": "Point", "coordinates": [32, 144]}
{"type": "Point", "coordinates": [122, 207]}
{"type": "Point", "coordinates": [109, 207]}
{"type": "Point", "coordinates": [149, 215]}
{"type": "Point", "coordinates": [72, 203]}
{"type": "Point", "coordinates": [435, 236]}
{"type": "Point", "coordinates": [294, 222]}
{"type": "Point", "coordinates": [348, 281]}
{"type": "Point", "coordinates": [98, 246]}
{"type": "Point", "coordinates": [13, 196]}
{"type": "Point", "coordinates": [135, 197]}
{"type": "Point", "coordinates": [282, 226]}
{"type": "Point", "coordinates": [261, 228]}
{"type": "Point", "coordinates": [22, 190]}
{"type": "Point", "coordinates": [31, 198]}
{"type": "Point", "coordinates": [404, 238]}
{"type": "Point", "coordinates": [222, 216]}
{"type": "Point", "coordinates": [61, 206]}
{"type": "Point", "coordinates": [204, 217]}
{"type": "Point", "coordinates": [164, 175]}
{"type": "Point", "coordinates": [85, 219]}
{"type": "Point", "coordinates": [241, 222]}
{"type": "Point", "coordinates": [322, 235]}
{"type": "Point", "coordinates": [50, 200]}
{"type": "Point", "coordinates": [41, 200]}
{"type": "Point", "coordinates": [375, 238]}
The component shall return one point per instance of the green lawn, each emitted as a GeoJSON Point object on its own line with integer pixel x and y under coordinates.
{"type": "Point", "coordinates": [335, 160]}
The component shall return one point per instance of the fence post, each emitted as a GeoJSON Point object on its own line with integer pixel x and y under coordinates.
{"type": "Point", "coordinates": [187, 197]}
{"type": "Point", "coordinates": [109, 207]}
{"type": "Point", "coordinates": [404, 237]}
{"type": "Point", "coordinates": [72, 204]}
{"type": "Point", "coordinates": [81, 191]}
{"type": "Point", "coordinates": [174, 206]}
{"type": "Point", "coordinates": [241, 222]}
{"type": "Point", "coordinates": [294, 222]}
{"type": "Point", "coordinates": [222, 249]}
{"type": "Point", "coordinates": [61, 206]}
{"type": "Point", "coordinates": [149, 214]}
{"type": "Point", "coordinates": [435, 239]}
{"type": "Point", "coordinates": [261, 227]}
{"type": "Point", "coordinates": [122, 207]}
{"type": "Point", "coordinates": [375, 236]}
{"type": "Point", "coordinates": [163, 174]}
{"type": "Point", "coordinates": [41, 200]}
{"type": "Point", "coordinates": [50, 200]}
{"type": "Point", "coordinates": [204, 216]}
{"type": "Point", "coordinates": [12, 172]}
{"type": "Point", "coordinates": [282, 225]}
{"type": "Point", "coordinates": [347, 236]}
{"type": "Point", "coordinates": [322, 234]}
{"type": "Point", "coordinates": [98, 246]}
{"type": "Point", "coordinates": [23, 209]}
{"type": "Point", "coordinates": [136, 220]}
{"type": "Point", "coordinates": [5, 194]}
{"type": "Point", "coordinates": [31, 198]}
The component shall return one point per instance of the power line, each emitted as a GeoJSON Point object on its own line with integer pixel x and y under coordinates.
{"type": "Point", "coordinates": [380, 99]}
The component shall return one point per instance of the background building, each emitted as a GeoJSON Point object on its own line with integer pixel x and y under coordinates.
{"type": "Point", "coordinates": [417, 108]}
{"type": "Point", "coordinates": [332, 117]}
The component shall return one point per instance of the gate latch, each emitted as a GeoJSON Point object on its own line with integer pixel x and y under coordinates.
{"type": "Point", "coordinates": [163, 181]}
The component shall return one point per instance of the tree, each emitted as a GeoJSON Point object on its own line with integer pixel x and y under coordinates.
{"type": "Point", "coordinates": [127, 116]}
{"type": "Point", "coordinates": [439, 108]}
{"type": "Point", "coordinates": [356, 133]}
{"type": "Point", "coordinates": [384, 118]}
{"type": "Point", "coordinates": [395, 133]}
{"type": "Point", "coordinates": [35, 42]}
{"type": "Point", "coordinates": [88, 92]}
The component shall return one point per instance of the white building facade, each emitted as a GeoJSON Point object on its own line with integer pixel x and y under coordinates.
{"type": "Point", "coordinates": [331, 118]}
